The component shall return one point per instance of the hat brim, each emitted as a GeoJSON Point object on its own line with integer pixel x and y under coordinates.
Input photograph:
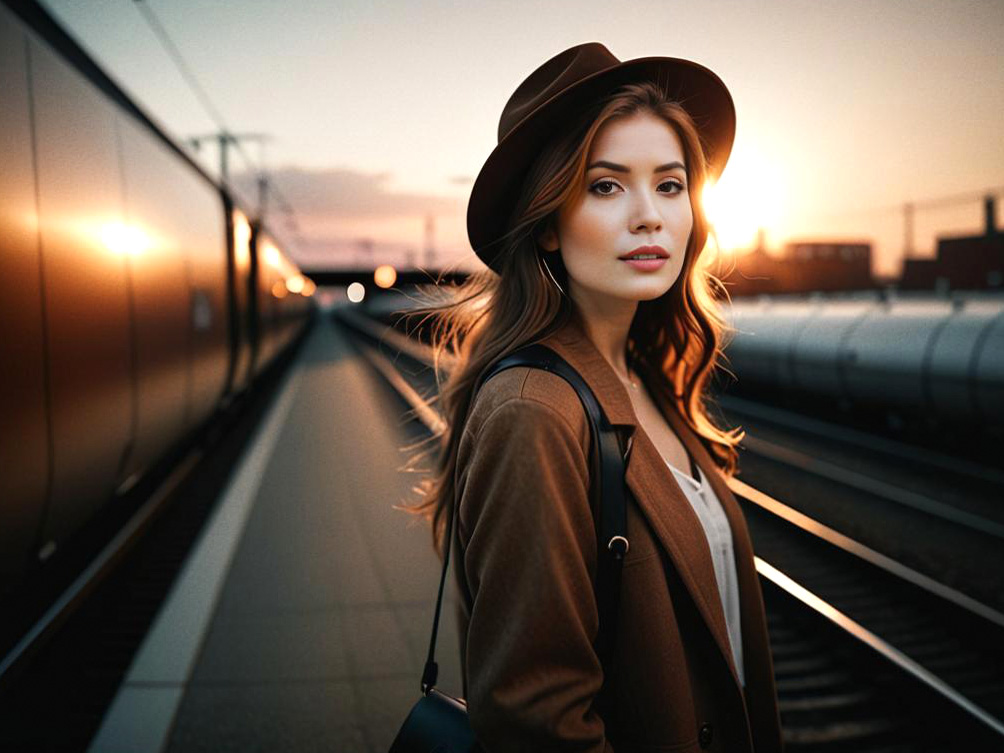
{"type": "Point", "coordinates": [701, 93]}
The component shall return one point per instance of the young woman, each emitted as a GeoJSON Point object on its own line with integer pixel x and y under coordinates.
{"type": "Point", "coordinates": [588, 214]}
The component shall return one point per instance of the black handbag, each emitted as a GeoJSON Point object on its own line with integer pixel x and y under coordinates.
{"type": "Point", "coordinates": [438, 722]}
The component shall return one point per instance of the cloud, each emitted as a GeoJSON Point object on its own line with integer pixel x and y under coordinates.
{"type": "Point", "coordinates": [350, 218]}
{"type": "Point", "coordinates": [336, 193]}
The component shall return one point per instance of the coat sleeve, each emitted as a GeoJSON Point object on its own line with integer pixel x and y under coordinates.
{"type": "Point", "coordinates": [530, 559]}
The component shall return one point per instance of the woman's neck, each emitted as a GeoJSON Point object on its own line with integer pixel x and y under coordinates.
{"type": "Point", "coordinates": [607, 328]}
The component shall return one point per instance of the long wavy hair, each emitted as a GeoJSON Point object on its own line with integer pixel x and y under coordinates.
{"type": "Point", "coordinates": [675, 341]}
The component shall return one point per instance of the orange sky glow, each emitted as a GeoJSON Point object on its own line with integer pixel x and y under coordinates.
{"type": "Point", "coordinates": [380, 116]}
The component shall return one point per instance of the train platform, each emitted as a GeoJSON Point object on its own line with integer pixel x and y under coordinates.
{"type": "Point", "coordinates": [301, 619]}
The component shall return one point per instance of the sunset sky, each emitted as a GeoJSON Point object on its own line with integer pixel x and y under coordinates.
{"type": "Point", "coordinates": [381, 114]}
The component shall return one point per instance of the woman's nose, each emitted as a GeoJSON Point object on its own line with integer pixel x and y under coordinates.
{"type": "Point", "coordinates": [645, 216]}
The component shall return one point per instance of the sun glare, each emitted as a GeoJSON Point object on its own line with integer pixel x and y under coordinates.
{"type": "Point", "coordinates": [748, 197]}
{"type": "Point", "coordinates": [125, 240]}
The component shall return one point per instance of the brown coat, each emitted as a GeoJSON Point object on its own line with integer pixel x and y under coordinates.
{"type": "Point", "coordinates": [525, 562]}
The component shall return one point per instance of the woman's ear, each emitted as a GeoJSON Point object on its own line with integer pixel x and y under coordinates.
{"type": "Point", "coordinates": [548, 240]}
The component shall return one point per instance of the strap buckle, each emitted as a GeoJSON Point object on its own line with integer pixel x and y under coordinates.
{"type": "Point", "coordinates": [619, 546]}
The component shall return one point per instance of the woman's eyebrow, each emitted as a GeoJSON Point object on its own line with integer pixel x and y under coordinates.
{"type": "Point", "coordinates": [624, 169]}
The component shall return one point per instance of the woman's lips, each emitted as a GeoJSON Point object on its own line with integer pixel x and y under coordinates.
{"type": "Point", "coordinates": [645, 265]}
{"type": "Point", "coordinates": [653, 257]}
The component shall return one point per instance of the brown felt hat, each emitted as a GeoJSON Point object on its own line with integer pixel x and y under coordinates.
{"type": "Point", "coordinates": [565, 86]}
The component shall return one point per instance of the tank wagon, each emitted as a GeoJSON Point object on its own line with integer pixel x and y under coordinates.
{"type": "Point", "coordinates": [943, 358]}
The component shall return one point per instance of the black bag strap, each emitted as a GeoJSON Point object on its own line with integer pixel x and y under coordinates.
{"type": "Point", "coordinates": [607, 499]}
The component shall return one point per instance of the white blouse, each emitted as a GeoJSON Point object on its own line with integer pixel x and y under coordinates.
{"type": "Point", "coordinates": [716, 528]}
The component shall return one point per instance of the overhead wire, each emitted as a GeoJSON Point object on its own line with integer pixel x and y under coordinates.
{"type": "Point", "coordinates": [938, 202]}
{"type": "Point", "coordinates": [214, 114]}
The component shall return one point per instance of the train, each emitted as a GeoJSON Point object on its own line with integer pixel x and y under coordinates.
{"type": "Point", "coordinates": [939, 357]}
{"type": "Point", "coordinates": [140, 300]}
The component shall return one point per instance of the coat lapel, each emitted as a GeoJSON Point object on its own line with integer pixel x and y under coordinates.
{"type": "Point", "coordinates": [654, 486]}
{"type": "Point", "coordinates": [760, 691]}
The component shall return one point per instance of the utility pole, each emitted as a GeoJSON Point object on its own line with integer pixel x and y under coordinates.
{"type": "Point", "coordinates": [224, 139]}
{"type": "Point", "coordinates": [430, 240]}
{"type": "Point", "coordinates": [908, 230]}
{"type": "Point", "coordinates": [262, 193]}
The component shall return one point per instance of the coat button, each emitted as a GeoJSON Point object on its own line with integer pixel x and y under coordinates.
{"type": "Point", "coordinates": [705, 734]}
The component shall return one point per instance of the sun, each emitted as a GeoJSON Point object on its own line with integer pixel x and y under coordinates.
{"type": "Point", "coordinates": [748, 197]}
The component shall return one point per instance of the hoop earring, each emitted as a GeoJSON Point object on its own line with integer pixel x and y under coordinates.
{"type": "Point", "coordinates": [540, 260]}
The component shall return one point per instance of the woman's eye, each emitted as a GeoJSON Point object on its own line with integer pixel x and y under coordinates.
{"type": "Point", "coordinates": [603, 187]}
{"type": "Point", "coordinates": [676, 183]}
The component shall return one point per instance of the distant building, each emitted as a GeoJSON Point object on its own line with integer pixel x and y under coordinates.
{"type": "Point", "coordinates": [803, 267]}
{"type": "Point", "coordinates": [823, 265]}
{"type": "Point", "coordinates": [973, 262]}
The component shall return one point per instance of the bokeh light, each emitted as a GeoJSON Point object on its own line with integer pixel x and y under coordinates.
{"type": "Point", "coordinates": [355, 292]}
{"type": "Point", "coordinates": [385, 276]}
{"type": "Point", "coordinates": [242, 239]}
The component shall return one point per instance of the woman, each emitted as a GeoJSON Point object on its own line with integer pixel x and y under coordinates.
{"type": "Point", "coordinates": [588, 216]}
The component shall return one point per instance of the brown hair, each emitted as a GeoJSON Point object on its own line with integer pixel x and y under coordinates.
{"type": "Point", "coordinates": [674, 341]}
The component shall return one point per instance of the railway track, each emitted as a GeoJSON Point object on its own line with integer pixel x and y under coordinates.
{"type": "Point", "coordinates": [946, 523]}
{"type": "Point", "coordinates": [940, 461]}
{"type": "Point", "coordinates": [870, 654]}
{"type": "Point", "coordinates": [966, 494]}
{"type": "Point", "coordinates": [946, 633]}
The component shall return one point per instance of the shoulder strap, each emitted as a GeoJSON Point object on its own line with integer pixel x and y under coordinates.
{"type": "Point", "coordinates": [606, 495]}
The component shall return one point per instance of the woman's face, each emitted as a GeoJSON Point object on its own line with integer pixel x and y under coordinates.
{"type": "Point", "coordinates": [635, 201]}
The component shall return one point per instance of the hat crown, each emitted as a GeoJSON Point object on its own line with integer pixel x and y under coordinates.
{"type": "Point", "coordinates": [557, 74]}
